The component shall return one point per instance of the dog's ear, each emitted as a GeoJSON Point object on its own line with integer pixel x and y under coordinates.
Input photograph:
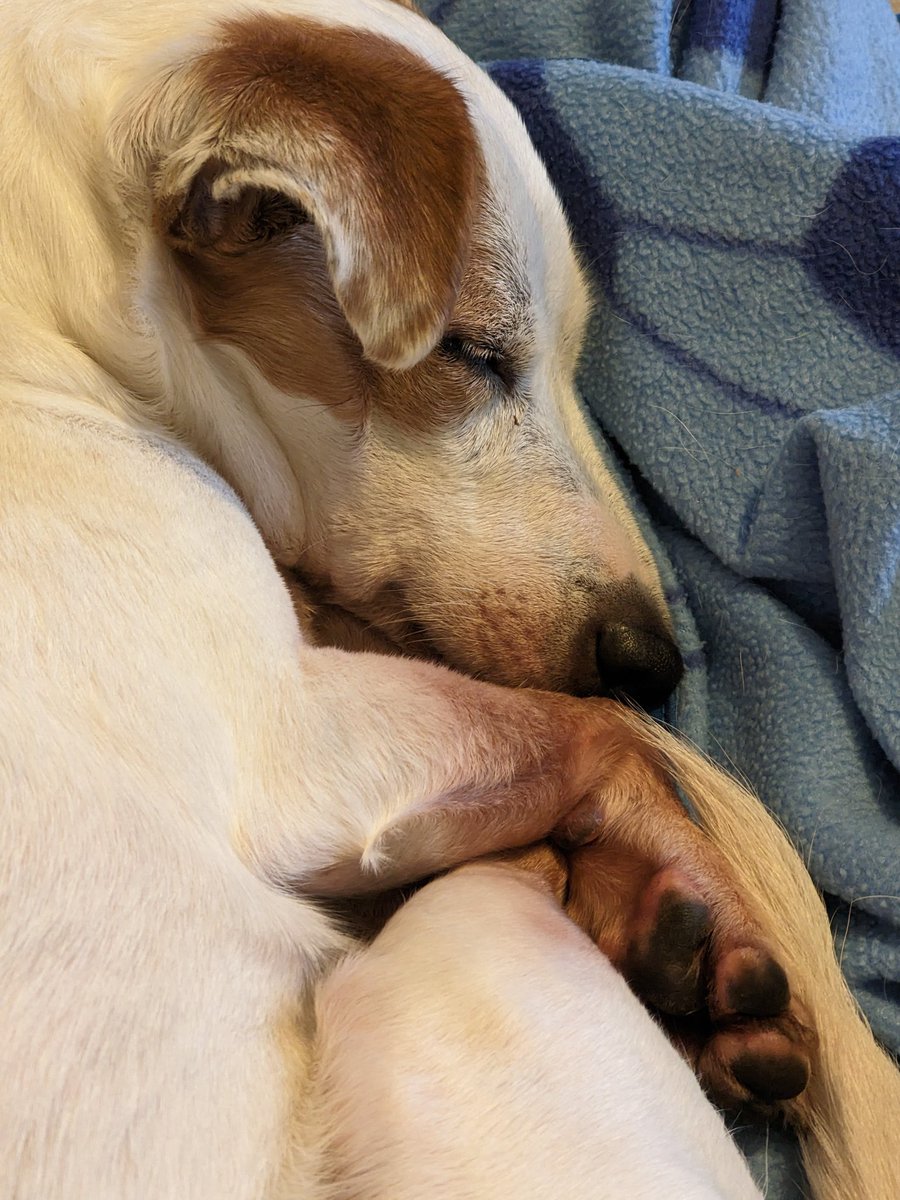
{"type": "Point", "coordinates": [351, 131]}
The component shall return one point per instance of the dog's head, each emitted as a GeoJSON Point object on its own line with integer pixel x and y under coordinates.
{"type": "Point", "coordinates": [358, 230]}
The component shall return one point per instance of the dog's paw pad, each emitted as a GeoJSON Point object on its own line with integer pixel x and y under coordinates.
{"type": "Point", "coordinates": [693, 952]}
{"type": "Point", "coordinates": [665, 958]}
{"type": "Point", "coordinates": [762, 1066]}
{"type": "Point", "coordinates": [749, 982]}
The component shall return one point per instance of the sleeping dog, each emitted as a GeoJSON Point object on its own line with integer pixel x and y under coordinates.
{"type": "Point", "coordinates": [285, 286]}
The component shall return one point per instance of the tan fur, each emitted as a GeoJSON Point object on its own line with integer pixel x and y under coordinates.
{"type": "Point", "coordinates": [272, 298]}
{"type": "Point", "coordinates": [378, 113]}
{"type": "Point", "coordinates": [274, 301]}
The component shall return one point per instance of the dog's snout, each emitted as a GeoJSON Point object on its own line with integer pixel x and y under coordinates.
{"type": "Point", "coordinates": [638, 664]}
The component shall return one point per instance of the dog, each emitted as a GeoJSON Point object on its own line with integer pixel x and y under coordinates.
{"type": "Point", "coordinates": [286, 290]}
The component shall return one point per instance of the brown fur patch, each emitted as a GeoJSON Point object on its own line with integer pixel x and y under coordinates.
{"type": "Point", "coordinates": [492, 306]}
{"type": "Point", "coordinates": [278, 306]}
{"type": "Point", "coordinates": [381, 143]}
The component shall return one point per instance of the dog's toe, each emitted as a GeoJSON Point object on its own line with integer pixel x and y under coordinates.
{"type": "Point", "coordinates": [691, 949]}
{"type": "Point", "coordinates": [756, 1064]}
{"type": "Point", "coordinates": [749, 982]}
{"type": "Point", "coordinates": [759, 1051]}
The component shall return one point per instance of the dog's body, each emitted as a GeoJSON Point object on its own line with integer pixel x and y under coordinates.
{"type": "Point", "coordinates": [180, 768]}
{"type": "Point", "coordinates": [155, 1038]}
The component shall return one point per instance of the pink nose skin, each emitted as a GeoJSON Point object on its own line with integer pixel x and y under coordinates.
{"type": "Point", "coordinates": [637, 664]}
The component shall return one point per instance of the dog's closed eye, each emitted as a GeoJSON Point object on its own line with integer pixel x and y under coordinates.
{"type": "Point", "coordinates": [482, 356]}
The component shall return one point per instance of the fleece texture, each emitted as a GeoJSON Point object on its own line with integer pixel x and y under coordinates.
{"type": "Point", "coordinates": [731, 171]}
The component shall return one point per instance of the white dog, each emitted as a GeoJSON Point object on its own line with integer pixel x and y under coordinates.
{"type": "Point", "coordinates": [289, 286]}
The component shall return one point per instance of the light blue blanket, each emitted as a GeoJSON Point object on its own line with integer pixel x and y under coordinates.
{"type": "Point", "coordinates": [731, 169]}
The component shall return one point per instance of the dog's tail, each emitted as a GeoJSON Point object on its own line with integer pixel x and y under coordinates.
{"type": "Point", "coordinates": [848, 1119]}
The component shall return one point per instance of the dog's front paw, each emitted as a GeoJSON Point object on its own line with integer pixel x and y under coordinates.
{"type": "Point", "coordinates": [691, 951]}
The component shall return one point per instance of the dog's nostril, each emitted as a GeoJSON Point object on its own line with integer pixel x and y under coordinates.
{"type": "Point", "coordinates": [637, 663]}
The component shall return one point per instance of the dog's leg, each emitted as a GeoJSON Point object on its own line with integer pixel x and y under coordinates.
{"type": "Point", "coordinates": [410, 769]}
{"type": "Point", "coordinates": [481, 1047]}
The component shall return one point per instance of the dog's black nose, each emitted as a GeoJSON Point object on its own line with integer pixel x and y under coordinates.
{"type": "Point", "coordinates": [636, 663]}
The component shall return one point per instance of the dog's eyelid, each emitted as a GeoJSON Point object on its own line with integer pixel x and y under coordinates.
{"type": "Point", "coordinates": [475, 341]}
{"type": "Point", "coordinates": [483, 352]}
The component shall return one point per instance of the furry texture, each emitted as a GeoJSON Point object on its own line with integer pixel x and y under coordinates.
{"type": "Point", "coordinates": [184, 775]}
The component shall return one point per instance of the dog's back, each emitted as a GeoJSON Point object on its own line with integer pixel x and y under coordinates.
{"type": "Point", "coordinates": [157, 1023]}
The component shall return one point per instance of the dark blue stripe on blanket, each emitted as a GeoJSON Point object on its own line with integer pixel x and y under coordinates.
{"type": "Point", "coordinates": [748, 519]}
{"type": "Point", "coordinates": [716, 241]}
{"type": "Point", "coordinates": [442, 11]}
{"type": "Point", "coordinates": [590, 211]}
{"type": "Point", "coordinates": [743, 28]}
{"type": "Point", "coordinates": [596, 223]}
{"type": "Point", "coordinates": [853, 248]}
{"type": "Point", "coordinates": [770, 405]}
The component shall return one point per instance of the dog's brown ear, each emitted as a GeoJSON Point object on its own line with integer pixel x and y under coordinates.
{"type": "Point", "coordinates": [354, 132]}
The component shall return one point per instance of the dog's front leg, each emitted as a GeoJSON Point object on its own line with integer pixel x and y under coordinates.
{"type": "Point", "coordinates": [407, 769]}
{"type": "Point", "coordinates": [402, 769]}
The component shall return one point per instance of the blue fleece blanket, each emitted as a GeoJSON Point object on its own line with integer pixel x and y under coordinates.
{"type": "Point", "coordinates": [731, 169]}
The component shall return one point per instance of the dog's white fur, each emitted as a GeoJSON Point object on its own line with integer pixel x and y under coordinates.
{"type": "Point", "coordinates": [531, 1072]}
{"type": "Point", "coordinates": [173, 753]}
